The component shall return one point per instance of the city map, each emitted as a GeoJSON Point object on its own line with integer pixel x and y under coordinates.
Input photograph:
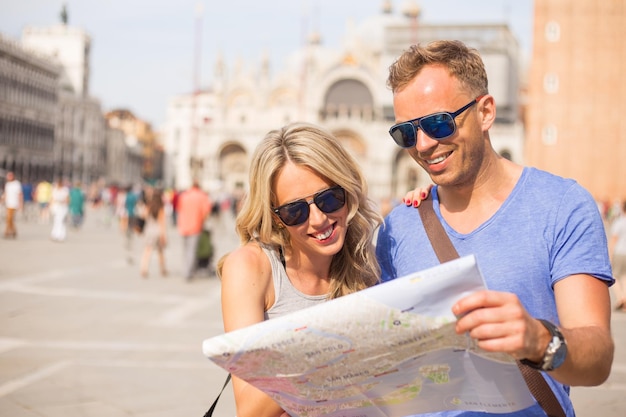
{"type": "Point", "coordinates": [387, 351]}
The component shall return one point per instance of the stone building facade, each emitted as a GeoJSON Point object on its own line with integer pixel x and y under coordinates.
{"type": "Point", "coordinates": [80, 146]}
{"type": "Point", "coordinates": [50, 126]}
{"type": "Point", "coordinates": [211, 133]}
{"type": "Point", "coordinates": [28, 101]}
{"type": "Point", "coordinates": [141, 139]}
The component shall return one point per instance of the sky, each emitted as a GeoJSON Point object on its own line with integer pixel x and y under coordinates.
{"type": "Point", "coordinates": [143, 52]}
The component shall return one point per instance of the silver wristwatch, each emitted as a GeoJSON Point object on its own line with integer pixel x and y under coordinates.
{"type": "Point", "coordinates": [555, 353]}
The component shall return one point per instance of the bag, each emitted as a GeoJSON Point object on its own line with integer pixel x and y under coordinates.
{"type": "Point", "coordinates": [445, 251]}
{"type": "Point", "coordinates": [209, 412]}
{"type": "Point", "coordinates": [205, 245]}
{"type": "Point", "coordinates": [138, 224]}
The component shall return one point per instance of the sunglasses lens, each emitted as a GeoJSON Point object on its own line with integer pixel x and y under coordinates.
{"type": "Point", "coordinates": [328, 201]}
{"type": "Point", "coordinates": [438, 126]}
{"type": "Point", "coordinates": [331, 200]}
{"type": "Point", "coordinates": [404, 134]}
{"type": "Point", "coordinates": [294, 213]}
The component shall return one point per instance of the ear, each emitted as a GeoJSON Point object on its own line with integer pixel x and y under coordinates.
{"type": "Point", "coordinates": [487, 111]}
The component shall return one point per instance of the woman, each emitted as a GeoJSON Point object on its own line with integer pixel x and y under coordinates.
{"type": "Point", "coordinates": [154, 232]}
{"type": "Point", "coordinates": [306, 229]}
{"type": "Point", "coordinates": [59, 207]}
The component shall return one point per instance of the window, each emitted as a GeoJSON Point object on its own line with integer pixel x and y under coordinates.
{"type": "Point", "coordinates": [549, 135]}
{"type": "Point", "coordinates": [553, 31]}
{"type": "Point", "coordinates": [551, 83]}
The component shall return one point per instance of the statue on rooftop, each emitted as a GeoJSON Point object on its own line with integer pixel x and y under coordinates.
{"type": "Point", "coordinates": [64, 14]}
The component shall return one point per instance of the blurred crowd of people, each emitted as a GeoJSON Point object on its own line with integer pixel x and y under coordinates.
{"type": "Point", "coordinates": [59, 203]}
{"type": "Point", "coordinates": [143, 213]}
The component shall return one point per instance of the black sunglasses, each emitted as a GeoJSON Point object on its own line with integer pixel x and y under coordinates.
{"type": "Point", "coordinates": [437, 126]}
{"type": "Point", "coordinates": [297, 212]}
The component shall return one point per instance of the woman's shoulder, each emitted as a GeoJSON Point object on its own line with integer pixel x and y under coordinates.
{"type": "Point", "coordinates": [247, 270]}
{"type": "Point", "coordinates": [247, 257]}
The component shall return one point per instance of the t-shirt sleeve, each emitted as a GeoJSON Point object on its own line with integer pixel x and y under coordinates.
{"type": "Point", "coordinates": [580, 238]}
{"type": "Point", "coordinates": [383, 252]}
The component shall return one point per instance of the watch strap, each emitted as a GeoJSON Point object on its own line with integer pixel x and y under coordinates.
{"type": "Point", "coordinates": [546, 363]}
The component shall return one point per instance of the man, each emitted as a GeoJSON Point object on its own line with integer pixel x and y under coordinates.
{"type": "Point", "coordinates": [192, 208]}
{"type": "Point", "coordinates": [538, 238]}
{"type": "Point", "coordinates": [13, 200]}
{"type": "Point", "coordinates": [27, 196]}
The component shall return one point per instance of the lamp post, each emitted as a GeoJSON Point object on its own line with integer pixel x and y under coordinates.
{"type": "Point", "coordinates": [194, 161]}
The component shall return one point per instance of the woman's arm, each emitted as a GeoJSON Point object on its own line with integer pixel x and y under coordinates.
{"type": "Point", "coordinates": [247, 292]}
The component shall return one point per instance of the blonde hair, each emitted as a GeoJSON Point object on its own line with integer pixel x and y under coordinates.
{"type": "Point", "coordinates": [461, 62]}
{"type": "Point", "coordinates": [354, 267]}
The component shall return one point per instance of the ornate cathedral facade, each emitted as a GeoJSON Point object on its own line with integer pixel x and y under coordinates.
{"type": "Point", "coordinates": [211, 133]}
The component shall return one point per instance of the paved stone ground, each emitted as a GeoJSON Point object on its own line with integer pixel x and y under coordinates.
{"type": "Point", "coordinates": [83, 335]}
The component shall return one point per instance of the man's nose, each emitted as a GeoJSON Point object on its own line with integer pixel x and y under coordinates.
{"type": "Point", "coordinates": [424, 142]}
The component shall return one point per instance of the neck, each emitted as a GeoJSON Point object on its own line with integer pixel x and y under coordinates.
{"type": "Point", "coordinates": [308, 275]}
{"type": "Point", "coordinates": [466, 206]}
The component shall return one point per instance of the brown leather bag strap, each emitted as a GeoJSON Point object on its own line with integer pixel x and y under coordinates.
{"type": "Point", "coordinates": [445, 251]}
{"type": "Point", "coordinates": [439, 240]}
{"type": "Point", "coordinates": [542, 392]}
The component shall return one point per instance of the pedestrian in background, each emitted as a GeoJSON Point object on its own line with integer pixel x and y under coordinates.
{"type": "Point", "coordinates": [192, 209]}
{"type": "Point", "coordinates": [43, 194]}
{"type": "Point", "coordinates": [175, 197]}
{"type": "Point", "coordinates": [59, 206]}
{"type": "Point", "coordinates": [617, 251]}
{"type": "Point", "coordinates": [28, 198]}
{"type": "Point", "coordinates": [13, 200]}
{"type": "Point", "coordinates": [128, 221]}
{"type": "Point", "coordinates": [77, 205]}
{"type": "Point", "coordinates": [154, 232]}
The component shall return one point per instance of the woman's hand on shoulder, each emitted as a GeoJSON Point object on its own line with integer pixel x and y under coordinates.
{"type": "Point", "coordinates": [414, 197]}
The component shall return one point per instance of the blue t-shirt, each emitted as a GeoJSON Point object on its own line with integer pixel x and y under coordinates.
{"type": "Point", "coordinates": [547, 229]}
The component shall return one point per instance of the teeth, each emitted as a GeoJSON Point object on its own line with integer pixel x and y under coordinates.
{"type": "Point", "coordinates": [437, 160]}
{"type": "Point", "coordinates": [325, 235]}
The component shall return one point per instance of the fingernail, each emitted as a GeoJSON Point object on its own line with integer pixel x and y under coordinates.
{"type": "Point", "coordinates": [423, 194]}
{"type": "Point", "coordinates": [416, 203]}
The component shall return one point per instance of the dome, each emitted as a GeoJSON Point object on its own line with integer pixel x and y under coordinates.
{"type": "Point", "coordinates": [370, 32]}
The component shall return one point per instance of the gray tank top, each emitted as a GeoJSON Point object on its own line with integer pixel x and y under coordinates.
{"type": "Point", "coordinates": [287, 298]}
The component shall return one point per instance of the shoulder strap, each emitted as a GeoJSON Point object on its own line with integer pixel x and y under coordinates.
{"type": "Point", "coordinates": [209, 413]}
{"type": "Point", "coordinates": [542, 392]}
{"type": "Point", "coordinates": [445, 250]}
{"type": "Point", "coordinates": [439, 240]}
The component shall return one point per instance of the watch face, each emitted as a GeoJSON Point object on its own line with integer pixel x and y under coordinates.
{"type": "Point", "coordinates": [559, 356]}
{"type": "Point", "coordinates": [557, 349]}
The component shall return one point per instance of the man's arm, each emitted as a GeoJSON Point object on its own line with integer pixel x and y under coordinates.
{"type": "Point", "coordinates": [499, 322]}
{"type": "Point", "coordinates": [584, 307]}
